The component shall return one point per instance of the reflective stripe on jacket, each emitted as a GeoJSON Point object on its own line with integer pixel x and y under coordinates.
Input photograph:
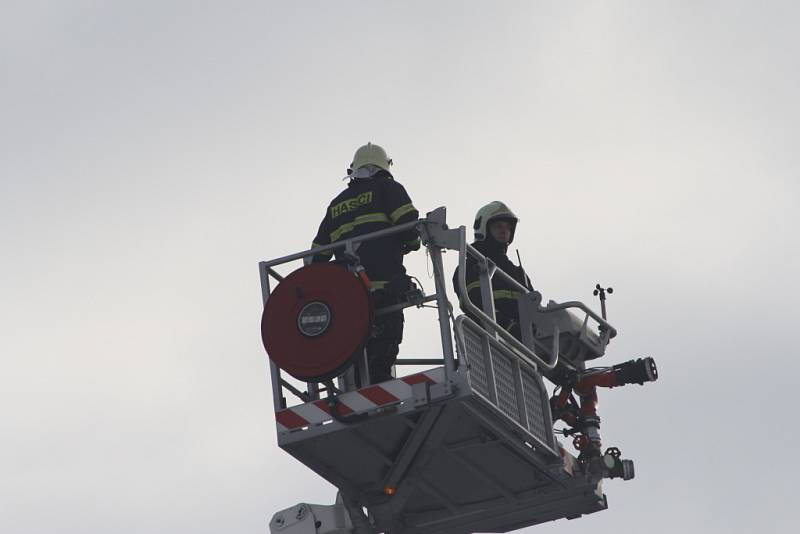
{"type": "Point", "coordinates": [369, 205]}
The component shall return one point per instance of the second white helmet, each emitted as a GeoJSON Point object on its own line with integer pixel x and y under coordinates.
{"type": "Point", "coordinates": [495, 210]}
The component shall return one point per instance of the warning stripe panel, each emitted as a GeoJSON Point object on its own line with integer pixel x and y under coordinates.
{"type": "Point", "coordinates": [361, 400]}
{"type": "Point", "coordinates": [355, 401]}
{"type": "Point", "coordinates": [378, 395]}
{"type": "Point", "coordinates": [311, 413]}
{"type": "Point", "coordinates": [290, 419]}
{"type": "Point", "coordinates": [341, 409]}
{"type": "Point", "coordinates": [417, 379]}
{"type": "Point", "coordinates": [398, 388]}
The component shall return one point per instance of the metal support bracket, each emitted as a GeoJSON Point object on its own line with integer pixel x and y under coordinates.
{"type": "Point", "coordinates": [411, 447]}
{"type": "Point", "coordinates": [434, 230]}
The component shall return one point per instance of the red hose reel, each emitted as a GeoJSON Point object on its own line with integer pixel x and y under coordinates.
{"type": "Point", "coordinates": [317, 321]}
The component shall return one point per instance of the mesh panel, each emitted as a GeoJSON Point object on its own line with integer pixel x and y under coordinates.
{"type": "Point", "coordinates": [504, 380]}
{"type": "Point", "coordinates": [535, 416]}
{"type": "Point", "coordinates": [477, 367]}
{"type": "Point", "coordinates": [534, 397]}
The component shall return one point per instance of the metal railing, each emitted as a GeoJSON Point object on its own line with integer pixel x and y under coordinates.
{"type": "Point", "coordinates": [436, 237]}
{"type": "Point", "coordinates": [349, 248]}
{"type": "Point", "coordinates": [487, 315]}
{"type": "Point", "coordinates": [532, 302]}
{"type": "Point", "coordinates": [504, 380]}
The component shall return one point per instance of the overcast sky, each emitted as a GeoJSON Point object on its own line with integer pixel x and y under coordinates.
{"type": "Point", "coordinates": [151, 153]}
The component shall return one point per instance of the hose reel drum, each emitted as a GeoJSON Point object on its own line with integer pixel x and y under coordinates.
{"type": "Point", "coordinates": [316, 321]}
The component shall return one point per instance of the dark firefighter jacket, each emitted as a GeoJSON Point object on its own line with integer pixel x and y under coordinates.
{"type": "Point", "coordinates": [369, 205]}
{"type": "Point", "coordinates": [505, 295]}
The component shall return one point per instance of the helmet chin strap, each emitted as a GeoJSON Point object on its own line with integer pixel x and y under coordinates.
{"type": "Point", "coordinates": [362, 174]}
{"type": "Point", "coordinates": [367, 171]}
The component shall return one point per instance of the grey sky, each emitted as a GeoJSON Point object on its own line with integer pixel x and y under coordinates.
{"type": "Point", "coordinates": [152, 152]}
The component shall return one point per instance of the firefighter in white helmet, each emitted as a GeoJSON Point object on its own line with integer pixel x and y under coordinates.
{"type": "Point", "coordinates": [374, 201]}
{"type": "Point", "coordinates": [495, 225]}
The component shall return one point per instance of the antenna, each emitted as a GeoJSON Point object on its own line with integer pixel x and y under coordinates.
{"type": "Point", "coordinates": [527, 278]}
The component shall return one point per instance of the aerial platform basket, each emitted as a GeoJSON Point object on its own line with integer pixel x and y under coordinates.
{"type": "Point", "coordinates": [466, 446]}
{"type": "Point", "coordinates": [427, 458]}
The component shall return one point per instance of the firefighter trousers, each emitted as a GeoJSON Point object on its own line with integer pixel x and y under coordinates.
{"type": "Point", "coordinates": [384, 345]}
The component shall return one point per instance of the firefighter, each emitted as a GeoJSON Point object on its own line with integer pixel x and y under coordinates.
{"type": "Point", "coordinates": [494, 227]}
{"type": "Point", "coordinates": [374, 201]}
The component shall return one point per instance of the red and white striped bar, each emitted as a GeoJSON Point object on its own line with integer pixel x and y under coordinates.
{"type": "Point", "coordinates": [359, 401]}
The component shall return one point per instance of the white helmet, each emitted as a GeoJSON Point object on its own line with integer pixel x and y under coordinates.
{"type": "Point", "coordinates": [370, 154]}
{"type": "Point", "coordinates": [493, 211]}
